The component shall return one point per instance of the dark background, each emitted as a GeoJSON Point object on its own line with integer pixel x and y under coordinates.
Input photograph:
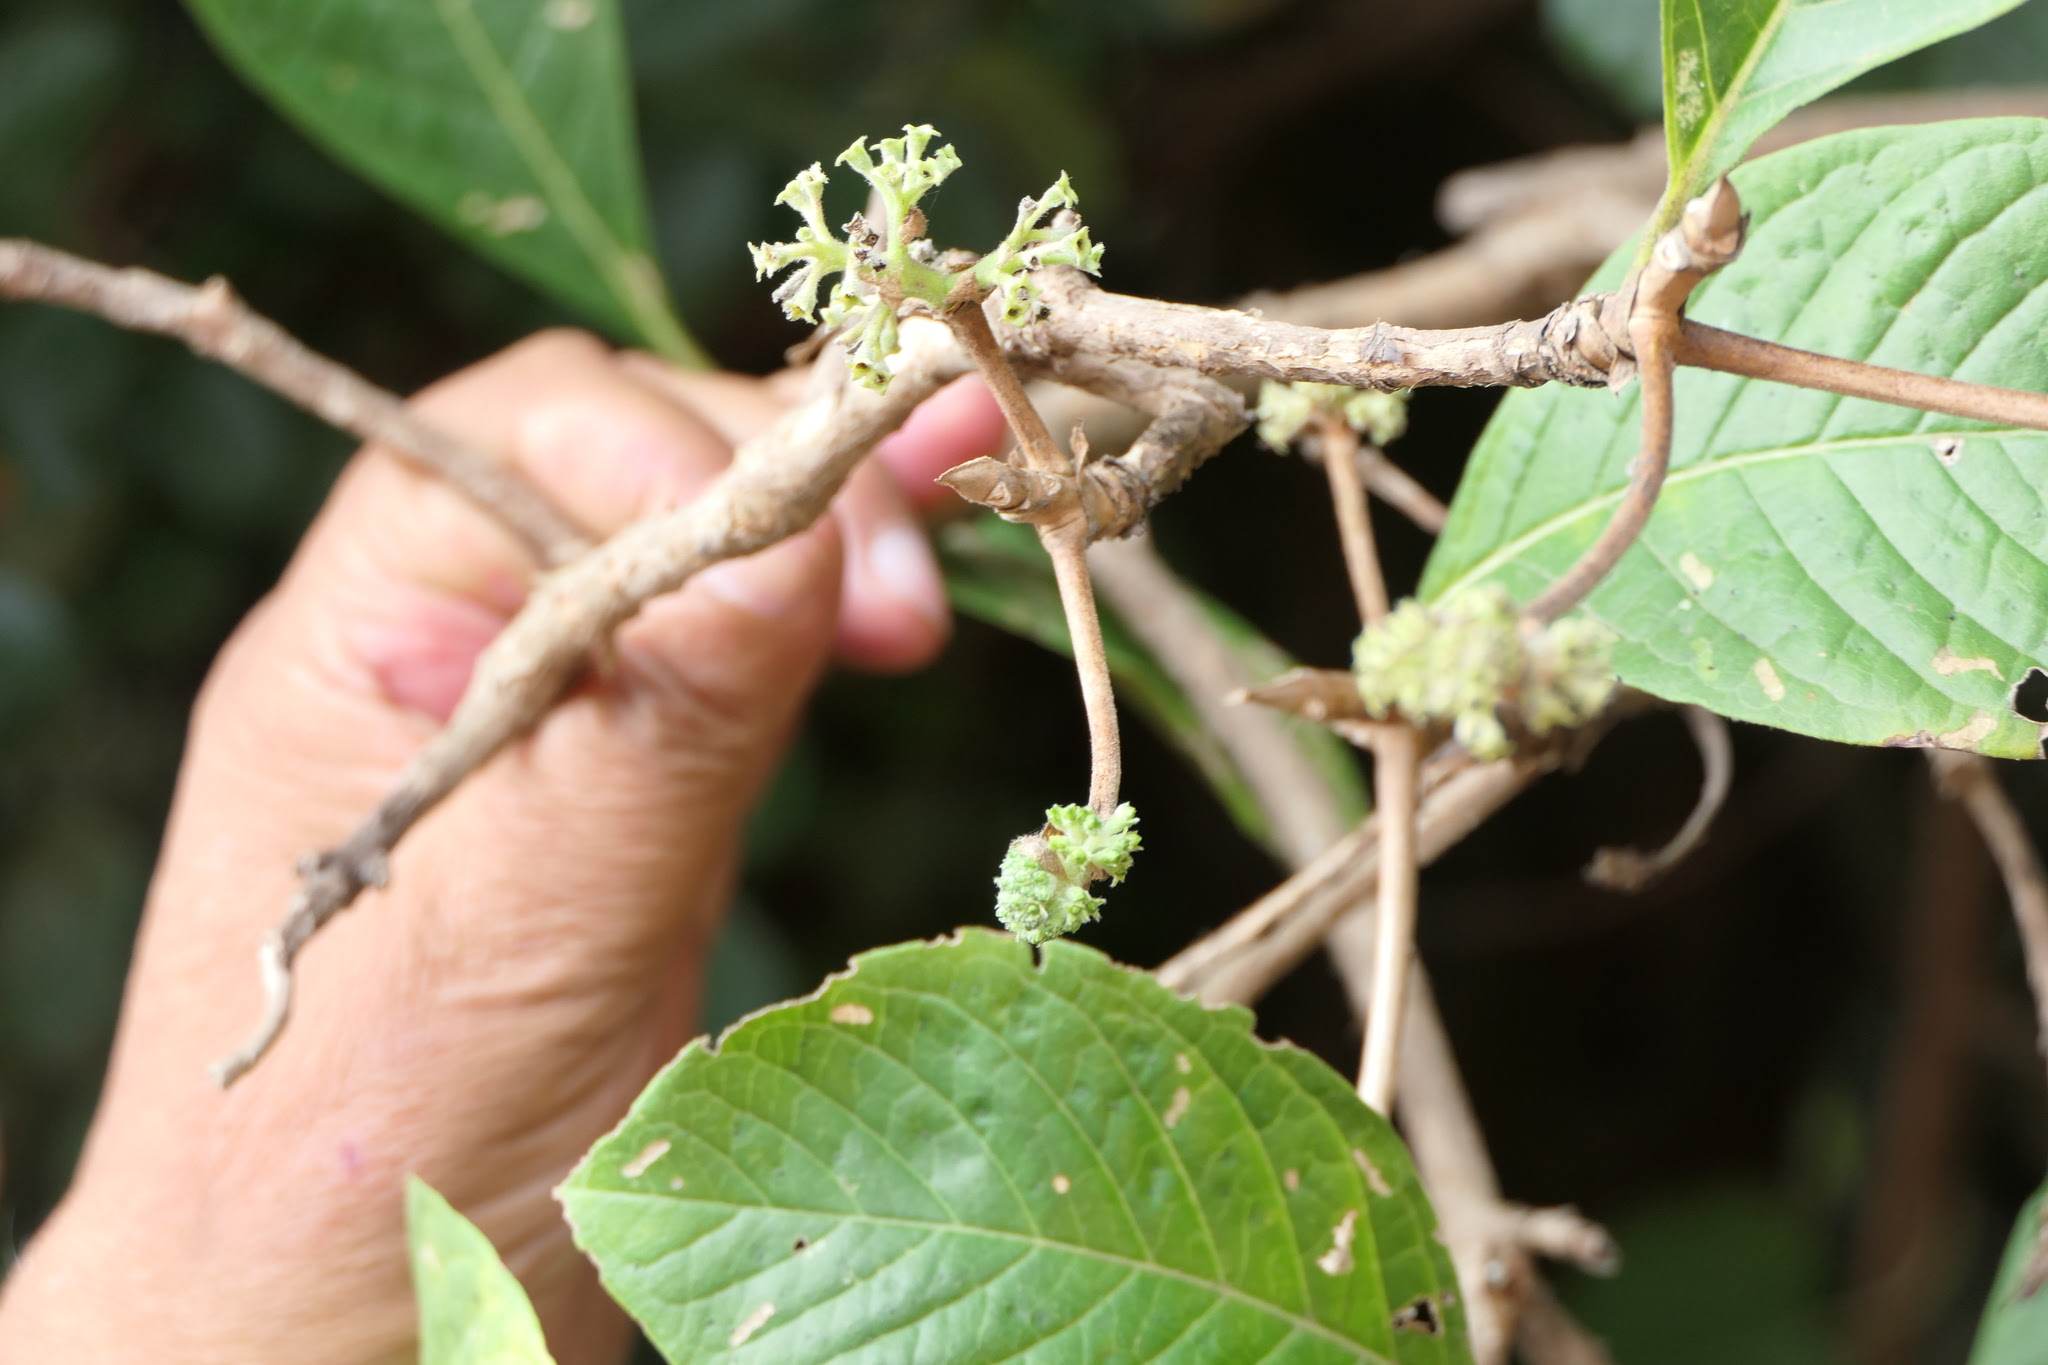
{"type": "Point", "coordinates": [1712, 1067]}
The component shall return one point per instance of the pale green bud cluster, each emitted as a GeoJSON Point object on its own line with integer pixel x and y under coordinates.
{"type": "Point", "coordinates": [1042, 889]}
{"type": "Point", "coordinates": [1284, 409]}
{"type": "Point", "coordinates": [1008, 269]}
{"type": "Point", "coordinates": [1470, 662]}
{"type": "Point", "coordinates": [880, 265]}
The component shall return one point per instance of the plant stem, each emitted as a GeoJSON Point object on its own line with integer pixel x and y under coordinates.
{"type": "Point", "coordinates": [1631, 870]}
{"type": "Point", "coordinates": [1067, 546]}
{"type": "Point", "coordinates": [1646, 480]}
{"type": "Point", "coordinates": [1339, 445]}
{"type": "Point", "coordinates": [1973, 780]}
{"type": "Point", "coordinates": [971, 329]}
{"type": "Point", "coordinates": [1063, 531]}
{"type": "Point", "coordinates": [1710, 348]}
{"type": "Point", "coordinates": [1398, 488]}
{"type": "Point", "coordinates": [215, 323]}
{"type": "Point", "coordinates": [1398, 756]}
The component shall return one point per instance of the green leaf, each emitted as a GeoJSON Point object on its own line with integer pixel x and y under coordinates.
{"type": "Point", "coordinates": [995, 572]}
{"type": "Point", "coordinates": [2015, 1326]}
{"type": "Point", "coordinates": [951, 1153]}
{"type": "Point", "coordinates": [1840, 568]}
{"type": "Point", "coordinates": [1732, 68]}
{"type": "Point", "coordinates": [508, 122]}
{"type": "Point", "coordinates": [472, 1312]}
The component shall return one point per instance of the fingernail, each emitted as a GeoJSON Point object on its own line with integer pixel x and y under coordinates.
{"type": "Point", "coordinates": [773, 582]}
{"type": "Point", "coordinates": [900, 563]}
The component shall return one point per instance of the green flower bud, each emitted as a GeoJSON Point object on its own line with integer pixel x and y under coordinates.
{"type": "Point", "coordinates": [1041, 891]}
{"type": "Point", "coordinates": [1468, 662]}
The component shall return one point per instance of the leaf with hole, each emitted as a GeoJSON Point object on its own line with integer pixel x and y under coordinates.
{"type": "Point", "coordinates": [956, 1152]}
{"type": "Point", "coordinates": [1837, 567]}
{"type": "Point", "coordinates": [472, 1311]}
{"type": "Point", "coordinates": [1734, 68]}
{"type": "Point", "coordinates": [996, 573]}
{"type": "Point", "coordinates": [2015, 1326]}
{"type": "Point", "coordinates": [508, 122]}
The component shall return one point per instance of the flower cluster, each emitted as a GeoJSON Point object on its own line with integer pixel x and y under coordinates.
{"type": "Point", "coordinates": [1284, 409]}
{"type": "Point", "coordinates": [1007, 270]}
{"type": "Point", "coordinates": [1042, 890]}
{"type": "Point", "coordinates": [884, 266]}
{"type": "Point", "coordinates": [1472, 662]}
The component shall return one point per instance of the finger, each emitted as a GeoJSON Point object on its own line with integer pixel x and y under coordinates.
{"type": "Point", "coordinates": [893, 615]}
{"type": "Point", "coordinates": [960, 422]}
{"type": "Point", "coordinates": [739, 407]}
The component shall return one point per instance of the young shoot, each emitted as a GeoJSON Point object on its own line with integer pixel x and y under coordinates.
{"type": "Point", "coordinates": [890, 267]}
{"type": "Point", "coordinates": [1472, 662]}
{"type": "Point", "coordinates": [1042, 890]}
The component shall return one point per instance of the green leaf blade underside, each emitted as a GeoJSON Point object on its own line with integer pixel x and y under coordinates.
{"type": "Point", "coordinates": [1840, 568]}
{"type": "Point", "coordinates": [953, 1153]}
{"type": "Point", "coordinates": [507, 122]}
{"type": "Point", "coordinates": [472, 1310]}
{"type": "Point", "coordinates": [2015, 1326]}
{"type": "Point", "coordinates": [996, 573]}
{"type": "Point", "coordinates": [1733, 68]}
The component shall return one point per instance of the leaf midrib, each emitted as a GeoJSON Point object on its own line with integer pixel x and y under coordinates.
{"type": "Point", "coordinates": [1681, 184]}
{"type": "Point", "coordinates": [1509, 550]}
{"type": "Point", "coordinates": [500, 89]}
{"type": "Point", "coordinates": [1037, 1242]}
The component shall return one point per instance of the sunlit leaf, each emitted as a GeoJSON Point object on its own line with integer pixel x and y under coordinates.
{"type": "Point", "coordinates": [1840, 568]}
{"type": "Point", "coordinates": [509, 122]}
{"type": "Point", "coordinates": [1732, 68]}
{"type": "Point", "coordinates": [472, 1312]}
{"type": "Point", "coordinates": [958, 1152]}
{"type": "Point", "coordinates": [2015, 1326]}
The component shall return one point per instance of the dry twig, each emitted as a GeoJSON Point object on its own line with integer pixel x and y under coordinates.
{"type": "Point", "coordinates": [1707, 238]}
{"type": "Point", "coordinates": [1063, 529]}
{"type": "Point", "coordinates": [1398, 488]}
{"type": "Point", "coordinates": [1631, 869]}
{"type": "Point", "coordinates": [1492, 1241]}
{"type": "Point", "coordinates": [1972, 780]}
{"type": "Point", "coordinates": [1170, 621]}
{"type": "Point", "coordinates": [214, 322]}
{"type": "Point", "coordinates": [777, 485]}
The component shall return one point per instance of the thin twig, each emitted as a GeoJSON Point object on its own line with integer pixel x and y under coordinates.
{"type": "Point", "coordinates": [1710, 348]}
{"type": "Point", "coordinates": [1339, 450]}
{"type": "Point", "coordinates": [1238, 961]}
{"type": "Point", "coordinates": [1971, 779]}
{"type": "Point", "coordinates": [1170, 621]}
{"type": "Point", "coordinates": [1397, 756]}
{"type": "Point", "coordinates": [1631, 869]}
{"type": "Point", "coordinates": [1398, 488]}
{"type": "Point", "coordinates": [218, 325]}
{"type": "Point", "coordinates": [1491, 1240]}
{"type": "Point", "coordinates": [1067, 546]}
{"type": "Point", "coordinates": [1062, 526]}
{"type": "Point", "coordinates": [1898, 1270]}
{"type": "Point", "coordinates": [970, 328]}
{"type": "Point", "coordinates": [1708, 237]}
{"type": "Point", "coordinates": [778, 484]}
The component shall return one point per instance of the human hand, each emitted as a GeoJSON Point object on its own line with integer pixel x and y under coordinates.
{"type": "Point", "coordinates": [539, 952]}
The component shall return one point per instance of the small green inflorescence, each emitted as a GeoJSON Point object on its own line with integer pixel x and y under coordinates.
{"type": "Point", "coordinates": [1471, 662]}
{"type": "Point", "coordinates": [1284, 409]}
{"type": "Point", "coordinates": [886, 266]}
{"type": "Point", "coordinates": [1042, 890]}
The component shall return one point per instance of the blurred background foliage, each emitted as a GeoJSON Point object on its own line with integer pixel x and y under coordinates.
{"type": "Point", "coordinates": [1716, 1066]}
